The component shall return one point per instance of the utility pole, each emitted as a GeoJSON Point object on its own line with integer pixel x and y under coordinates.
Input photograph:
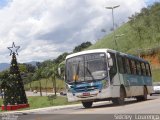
{"type": "Point", "coordinates": [112, 8]}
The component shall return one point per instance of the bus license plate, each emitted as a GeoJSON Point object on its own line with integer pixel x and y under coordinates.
{"type": "Point", "coordinates": [86, 94]}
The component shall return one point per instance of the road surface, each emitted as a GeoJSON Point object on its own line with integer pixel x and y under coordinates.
{"type": "Point", "coordinates": [103, 111]}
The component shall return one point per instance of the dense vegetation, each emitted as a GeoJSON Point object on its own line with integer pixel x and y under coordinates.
{"type": "Point", "coordinates": [139, 36]}
{"type": "Point", "coordinates": [44, 76]}
{"type": "Point", "coordinates": [141, 33]}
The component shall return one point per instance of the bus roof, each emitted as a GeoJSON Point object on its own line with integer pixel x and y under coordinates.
{"type": "Point", "coordinates": [105, 50]}
{"type": "Point", "coordinates": [87, 52]}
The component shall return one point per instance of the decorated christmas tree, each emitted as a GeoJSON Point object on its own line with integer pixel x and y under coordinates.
{"type": "Point", "coordinates": [14, 93]}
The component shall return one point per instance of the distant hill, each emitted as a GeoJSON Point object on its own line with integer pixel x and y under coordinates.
{"type": "Point", "coordinates": [4, 66]}
{"type": "Point", "coordinates": [32, 63]}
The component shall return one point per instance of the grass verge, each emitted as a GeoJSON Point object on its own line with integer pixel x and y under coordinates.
{"type": "Point", "coordinates": [156, 75]}
{"type": "Point", "coordinates": [41, 102]}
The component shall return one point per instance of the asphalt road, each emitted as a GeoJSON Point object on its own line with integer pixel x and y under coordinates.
{"type": "Point", "coordinates": [132, 110]}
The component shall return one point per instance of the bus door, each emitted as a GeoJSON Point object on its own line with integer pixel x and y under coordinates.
{"type": "Point", "coordinates": [124, 73]}
{"type": "Point", "coordinates": [113, 70]}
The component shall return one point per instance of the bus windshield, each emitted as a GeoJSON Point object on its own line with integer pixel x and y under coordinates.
{"type": "Point", "coordinates": [86, 67]}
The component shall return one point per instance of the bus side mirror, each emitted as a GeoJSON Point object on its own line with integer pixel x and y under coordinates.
{"type": "Point", "coordinates": [59, 71]}
{"type": "Point", "coordinates": [110, 60]}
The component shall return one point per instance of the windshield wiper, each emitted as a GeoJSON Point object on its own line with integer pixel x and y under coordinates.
{"type": "Point", "coordinates": [90, 73]}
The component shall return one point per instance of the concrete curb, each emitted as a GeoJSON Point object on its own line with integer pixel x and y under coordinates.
{"type": "Point", "coordinates": [32, 111]}
{"type": "Point", "coordinates": [41, 109]}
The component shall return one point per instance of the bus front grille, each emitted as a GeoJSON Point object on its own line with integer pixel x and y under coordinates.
{"type": "Point", "coordinates": [86, 88]}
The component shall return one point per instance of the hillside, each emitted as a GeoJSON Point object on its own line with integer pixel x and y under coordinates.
{"type": "Point", "coordinates": [5, 66]}
{"type": "Point", "coordinates": [139, 36]}
{"type": "Point", "coordinates": [140, 33]}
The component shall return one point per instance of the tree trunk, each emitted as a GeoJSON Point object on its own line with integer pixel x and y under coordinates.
{"type": "Point", "coordinates": [30, 85]}
{"type": "Point", "coordinates": [46, 85]}
{"type": "Point", "coordinates": [55, 89]}
{"type": "Point", "coordinates": [54, 84]}
{"type": "Point", "coordinates": [40, 88]}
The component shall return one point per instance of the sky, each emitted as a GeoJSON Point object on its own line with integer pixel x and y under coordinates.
{"type": "Point", "coordinates": [45, 29]}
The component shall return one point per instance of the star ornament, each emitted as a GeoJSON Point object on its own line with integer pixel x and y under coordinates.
{"type": "Point", "coordinates": [13, 49]}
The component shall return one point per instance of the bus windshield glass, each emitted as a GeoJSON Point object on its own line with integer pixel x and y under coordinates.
{"type": "Point", "coordinates": [86, 67]}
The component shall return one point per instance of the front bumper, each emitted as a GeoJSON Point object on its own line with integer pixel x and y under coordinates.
{"type": "Point", "coordinates": [89, 96]}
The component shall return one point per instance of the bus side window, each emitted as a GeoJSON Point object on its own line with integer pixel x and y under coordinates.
{"type": "Point", "coordinates": [138, 68]}
{"type": "Point", "coordinates": [128, 70]}
{"type": "Point", "coordinates": [113, 69]}
{"type": "Point", "coordinates": [120, 64]}
{"type": "Point", "coordinates": [123, 62]}
{"type": "Point", "coordinates": [133, 67]}
{"type": "Point", "coordinates": [148, 72]}
{"type": "Point", "coordinates": [143, 68]}
{"type": "Point", "coordinates": [135, 63]}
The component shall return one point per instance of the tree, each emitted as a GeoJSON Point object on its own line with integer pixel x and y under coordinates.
{"type": "Point", "coordinates": [29, 77]}
{"type": "Point", "coordinates": [158, 39]}
{"type": "Point", "coordinates": [4, 75]}
{"type": "Point", "coordinates": [82, 46]}
{"type": "Point", "coordinates": [60, 58]}
{"type": "Point", "coordinates": [38, 76]}
{"type": "Point", "coordinates": [29, 80]}
{"type": "Point", "coordinates": [22, 68]}
{"type": "Point", "coordinates": [30, 68]}
{"type": "Point", "coordinates": [14, 92]}
{"type": "Point", "coordinates": [137, 26]}
{"type": "Point", "coordinates": [53, 74]}
{"type": "Point", "coordinates": [46, 73]}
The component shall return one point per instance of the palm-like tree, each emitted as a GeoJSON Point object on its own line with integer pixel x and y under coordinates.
{"type": "Point", "coordinates": [53, 73]}
{"type": "Point", "coordinates": [38, 76]}
{"type": "Point", "coordinates": [30, 79]}
{"type": "Point", "coordinates": [46, 73]}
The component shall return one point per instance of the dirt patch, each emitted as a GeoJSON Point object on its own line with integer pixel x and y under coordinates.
{"type": "Point", "coordinates": [154, 60]}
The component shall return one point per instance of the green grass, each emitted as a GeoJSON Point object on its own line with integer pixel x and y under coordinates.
{"type": "Point", "coordinates": [127, 43]}
{"type": "Point", "coordinates": [1, 101]}
{"type": "Point", "coordinates": [156, 75]}
{"type": "Point", "coordinates": [41, 102]}
{"type": "Point", "coordinates": [140, 33]}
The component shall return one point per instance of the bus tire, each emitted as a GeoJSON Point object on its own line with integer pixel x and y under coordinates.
{"type": "Point", "coordinates": [144, 96]}
{"type": "Point", "coordinates": [120, 100]}
{"type": "Point", "coordinates": [87, 104]}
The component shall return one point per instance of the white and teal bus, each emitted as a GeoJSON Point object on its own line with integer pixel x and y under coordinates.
{"type": "Point", "coordinates": [105, 74]}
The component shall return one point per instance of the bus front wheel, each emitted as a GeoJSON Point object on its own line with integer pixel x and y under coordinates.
{"type": "Point", "coordinates": [87, 104]}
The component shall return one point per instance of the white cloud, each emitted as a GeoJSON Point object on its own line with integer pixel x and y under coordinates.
{"type": "Point", "coordinates": [46, 28]}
